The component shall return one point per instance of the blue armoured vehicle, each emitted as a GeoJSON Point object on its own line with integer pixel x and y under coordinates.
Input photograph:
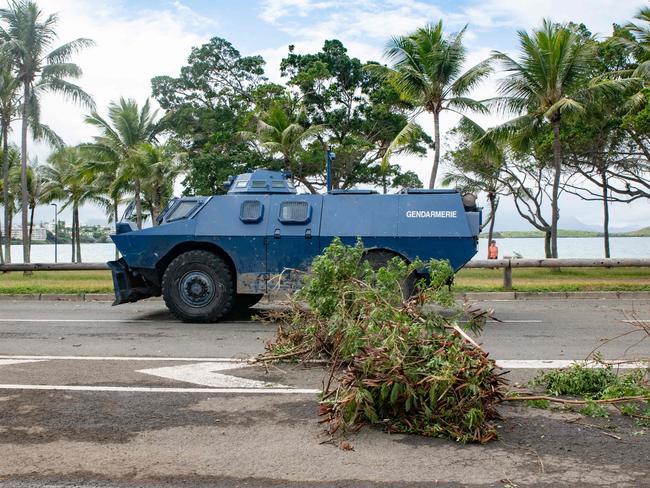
{"type": "Point", "coordinates": [210, 255]}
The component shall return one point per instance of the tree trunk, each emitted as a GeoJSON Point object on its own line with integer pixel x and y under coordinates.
{"type": "Point", "coordinates": [73, 235]}
{"type": "Point", "coordinates": [138, 204]}
{"type": "Point", "coordinates": [605, 215]}
{"type": "Point", "coordinates": [5, 191]}
{"type": "Point", "coordinates": [8, 239]}
{"type": "Point", "coordinates": [2, 254]}
{"type": "Point", "coordinates": [31, 225]}
{"type": "Point", "coordinates": [115, 220]}
{"type": "Point", "coordinates": [78, 239]}
{"type": "Point", "coordinates": [156, 205]}
{"type": "Point", "coordinates": [547, 245]}
{"type": "Point", "coordinates": [493, 209]}
{"type": "Point", "coordinates": [23, 175]}
{"type": "Point", "coordinates": [555, 206]}
{"type": "Point", "coordinates": [29, 242]}
{"type": "Point", "coordinates": [436, 153]}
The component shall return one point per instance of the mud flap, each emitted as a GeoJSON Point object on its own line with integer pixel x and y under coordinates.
{"type": "Point", "coordinates": [129, 286]}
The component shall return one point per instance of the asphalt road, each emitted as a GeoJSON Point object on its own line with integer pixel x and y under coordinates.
{"type": "Point", "coordinates": [93, 395]}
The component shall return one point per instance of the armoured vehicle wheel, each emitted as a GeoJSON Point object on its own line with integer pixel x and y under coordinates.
{"type": "Point", "coordinates": [198, 287]}
{"type": "Point", "coordinates": [380, 258]}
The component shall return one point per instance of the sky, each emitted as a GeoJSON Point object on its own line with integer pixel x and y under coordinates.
{"type": "Point", "coordinates": [139, 39]}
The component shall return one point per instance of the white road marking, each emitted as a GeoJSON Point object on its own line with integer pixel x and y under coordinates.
{"type": "Point", "coordinates": [146, 389]}
{"type": "Point", "coordinates": [505, 363]}
{"type": "Point", "coordinates": [6, 362]}
{"type": "Point", "coordinates": [531, 321]}
{"type": "Point", "coordinates": [565, 363]}
{"type": "Point", "coordinates": [209, 374]}
{"type": "Point", "coordinates": [118, 321]}
{"type": "Point", "coordinates": [634, 321]}
{"type": "Point", "coordinates": [126, 358]}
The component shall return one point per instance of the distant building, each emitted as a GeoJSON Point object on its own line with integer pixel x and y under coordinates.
{"type": "Point", "coordinates": [38, 233]}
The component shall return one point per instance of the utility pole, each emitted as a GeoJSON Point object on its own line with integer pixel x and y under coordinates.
{"type": "Point", "coordinates": [56, 232]}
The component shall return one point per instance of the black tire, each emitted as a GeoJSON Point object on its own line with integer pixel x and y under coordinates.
{"type": "Point", "coordinates": [198, 286]}
{"type": "Point", "coordinates": [241, 309]}
{"type": "Point", "coordinates": [380, 258]}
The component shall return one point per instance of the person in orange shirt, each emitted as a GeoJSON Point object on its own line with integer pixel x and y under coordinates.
{"type": "Point", "coordinates": [493, 250]}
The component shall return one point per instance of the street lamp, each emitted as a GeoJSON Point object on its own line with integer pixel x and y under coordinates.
{"type": "Point", "coordinates": [56, 232]}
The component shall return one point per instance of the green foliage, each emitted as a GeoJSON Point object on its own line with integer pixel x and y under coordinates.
{"type": "Point", "coordinates": [543, 404]}
{"type": "Point", "coordinates": [592, 409]}
{"type": "Point", "coordinates": [360, 109]}
{"type": "Point", "coordinates": [577, 380]}
{"type": "Point", "coordinates": [207, 105]}
{"type": "Point", "coordinates": [407, 368]}
{"type": "Point", "coordinates": [600, 383]}
{"type": "Point", "coordinates": [427, 72]}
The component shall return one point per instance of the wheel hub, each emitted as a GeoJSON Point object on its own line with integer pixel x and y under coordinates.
{"type": "Point", "coordinates": [196, 288]}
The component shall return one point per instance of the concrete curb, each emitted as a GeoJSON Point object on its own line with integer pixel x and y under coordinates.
{"type": "Point", "coordinates": [471, 296]}
{"type": "Point", "coordinates": [558, 295]}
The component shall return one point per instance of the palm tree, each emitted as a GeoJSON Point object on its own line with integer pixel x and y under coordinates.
{"type": "Point", "coordinates": [427, 72]}
{"type": "Point", "coordinates": [27, 36]}
{"type": "Point", "coordinates": [164, 165]}
{"type": "Point", "coordinates": [115, 151]}
{"type": "Point", "coordinates": [547, 80]}
{"type": "Point", "coordinates": [476, 167]}
{"type": "Point", "coordinates": [9, 192]}
{"type": "Point", "coordinates": [35, 190]}
{"type": "Point", "coordinates": [8, 105]}
{"type": "Point", "coordinates": [278, 132]}
{"type": "Point", "coordinates": [640, 46]}
{"type": "Point", "coordinates": [63, 181]}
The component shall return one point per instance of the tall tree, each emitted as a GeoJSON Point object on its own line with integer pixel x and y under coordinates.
{"type": "Point", "coordinates": [8, 106]}
{"type": "Point", "coordinates": [164, 164]}
{"type": "Point", "coordinates": [427, 71]}
{"type": "Point", "coordinates": [127, 127]}
{"type": "Point", "coordinates": [636, 38]}
{"type": "Point", "coordinates": [477, 166]}
{"type": "Point", "coordinates": [594, 139]}
{"type": "Point", "coordinates": [544, 83]}
{"type": "Point", "coordinates": [28, 36]}
{"type": "Point", "coordinates": [278, 131]}
{"type": "Point", "coordinates": [9, 193]}
{"type": "Point", "coordinates": [63, 181]}
{"type": "Point", "coordinates": [35, 191]}
{"type": "Point", "coordinates": [207, 105]}
{"type": "Point", "coordinates": [360, 110]}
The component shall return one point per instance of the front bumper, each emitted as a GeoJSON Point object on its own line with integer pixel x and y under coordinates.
{"type": "Point", "coordinates": [129, 286]}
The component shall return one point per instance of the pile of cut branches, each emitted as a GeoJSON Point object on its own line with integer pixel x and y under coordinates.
{"type": "Point", "coordinates": [406, 367]}
{"type": "Point", "coordinates": [592, 387]}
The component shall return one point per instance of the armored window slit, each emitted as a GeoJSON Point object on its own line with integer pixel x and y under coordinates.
{"type": "Point", "coordinates": [294, 213]}
{"type": "Point", "coordinates": [251, 211]}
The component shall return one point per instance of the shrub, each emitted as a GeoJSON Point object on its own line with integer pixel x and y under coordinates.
{"type": "Point", "coordinates": [406, 368]}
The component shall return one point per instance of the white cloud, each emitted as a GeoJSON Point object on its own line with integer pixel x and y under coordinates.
{"type": "Point", "coordinates": [597, 15]}
{"type": "Point", "coordinates": [131, 48]}
{"type": "Point", "coordinates": [274, 10]}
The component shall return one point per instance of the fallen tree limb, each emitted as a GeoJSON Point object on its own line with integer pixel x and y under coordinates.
{"type": "Point", "coordinates": [576, 402]}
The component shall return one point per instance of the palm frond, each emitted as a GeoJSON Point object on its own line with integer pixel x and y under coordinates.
{"type": "Point", "coordinates": [63, 53]}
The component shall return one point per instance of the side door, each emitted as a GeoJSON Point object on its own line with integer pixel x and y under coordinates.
{"type": "Point", "coordinates": [237, 224]}
{"type": "Point", "coordinates": [293, 238]}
